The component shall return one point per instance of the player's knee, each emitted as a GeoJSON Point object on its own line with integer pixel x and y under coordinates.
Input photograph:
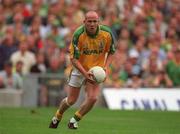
{"type": "Point", "coordinates": [71, 101]}
{"type": "Point", "coordinates": [92, 99]}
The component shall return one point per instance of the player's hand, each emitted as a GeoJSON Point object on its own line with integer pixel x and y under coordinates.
{"type": "Point", "coordinates": [105, 69]}
{"type": "Point", "coordinates": [89, 77]}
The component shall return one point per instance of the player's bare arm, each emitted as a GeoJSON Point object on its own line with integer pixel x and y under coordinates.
{"type": "Point", "coordinates": [87, 75]}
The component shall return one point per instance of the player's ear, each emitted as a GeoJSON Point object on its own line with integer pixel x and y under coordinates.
{"type": "Point", "coordinates": [84, 21]}
{"type": "Point", "coordinates": [99, 20]}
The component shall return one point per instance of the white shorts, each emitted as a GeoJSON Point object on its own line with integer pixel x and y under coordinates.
{"type": "Point", "coordinates": [76, 79]}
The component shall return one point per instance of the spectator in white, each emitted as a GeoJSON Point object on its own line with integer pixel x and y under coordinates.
{"type": "Point", "coordinates": [158, 25]}
{"type": "Point", "coordinates": [153, 57]}
{"type": "Point", "coordinates": [40, 66]}
{"type": "Point", "coordinates": [154, 51]}
{"type": "Point", "coordinates": [23, 54]}
{"type": "Point", "coordinates": [135, 80]}
{"type": "Point", "coordinates": [139, 48]}
{"type": "Point", "coordinates": [133, 59]}
{"type": "Point", "coordinates": [8, 79]}
{"type": "Point", "coordinates": [19, 67]}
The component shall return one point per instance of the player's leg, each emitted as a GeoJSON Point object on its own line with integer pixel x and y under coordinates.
{"type": "Point", "coordinates": [68, 101]}
{"type": "Point", "coordinates": [92, 92]}
{"type": "Point", "coordinates": [64, 105]}
{"type": "Point", "coordinates": [75, 82]}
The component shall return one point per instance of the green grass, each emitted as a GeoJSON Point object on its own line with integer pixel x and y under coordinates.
{"type": "Point", "coordinates": [98, 121]}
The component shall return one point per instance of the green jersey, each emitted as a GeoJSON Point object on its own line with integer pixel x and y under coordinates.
{"type": "Point", "coordinates": [173, 70]}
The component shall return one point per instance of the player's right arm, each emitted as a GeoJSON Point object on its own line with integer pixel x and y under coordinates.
{"type": "Point", "coordinates": [88, 75]}
{"type": "Point", "coordinates": [75, 55]}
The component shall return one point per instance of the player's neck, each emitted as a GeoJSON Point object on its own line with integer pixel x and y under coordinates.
{"type": "Point", "coordinates": [93, 35]}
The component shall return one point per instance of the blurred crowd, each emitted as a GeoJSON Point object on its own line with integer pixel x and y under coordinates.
{"type": "Point", "coordinates": [35, 36]}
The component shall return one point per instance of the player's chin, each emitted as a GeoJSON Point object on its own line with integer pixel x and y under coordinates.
{"type": "Point", "coordinates": [92, 30]}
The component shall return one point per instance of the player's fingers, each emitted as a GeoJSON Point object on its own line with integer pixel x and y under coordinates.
{"type": "Point", "coordinates": [104, 79]}
{"type": "Point", "coordinates": [91, 80]}
{"type": "Point", "coordinates": [90, 74]}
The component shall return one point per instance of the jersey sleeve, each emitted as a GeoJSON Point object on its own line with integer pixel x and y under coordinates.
{"type": "Point", "coordinates": [112, 44]}
{"type": "Point", "coordinates": [73, 48]}
{"type": "Point", "coordinates": [110, 39]}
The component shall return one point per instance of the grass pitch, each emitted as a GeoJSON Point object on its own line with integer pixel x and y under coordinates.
{"type": "Point", "coordinates": [98, 121]}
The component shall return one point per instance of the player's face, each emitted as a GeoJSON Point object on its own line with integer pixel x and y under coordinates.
{"type": "Point", "coordinates": [91, 24]}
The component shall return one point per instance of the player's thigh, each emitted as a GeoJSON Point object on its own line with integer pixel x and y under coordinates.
{"type": "Point", "coordinates": [92, 90]}
{"type": "Point", "coordinates": [73, 93]}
